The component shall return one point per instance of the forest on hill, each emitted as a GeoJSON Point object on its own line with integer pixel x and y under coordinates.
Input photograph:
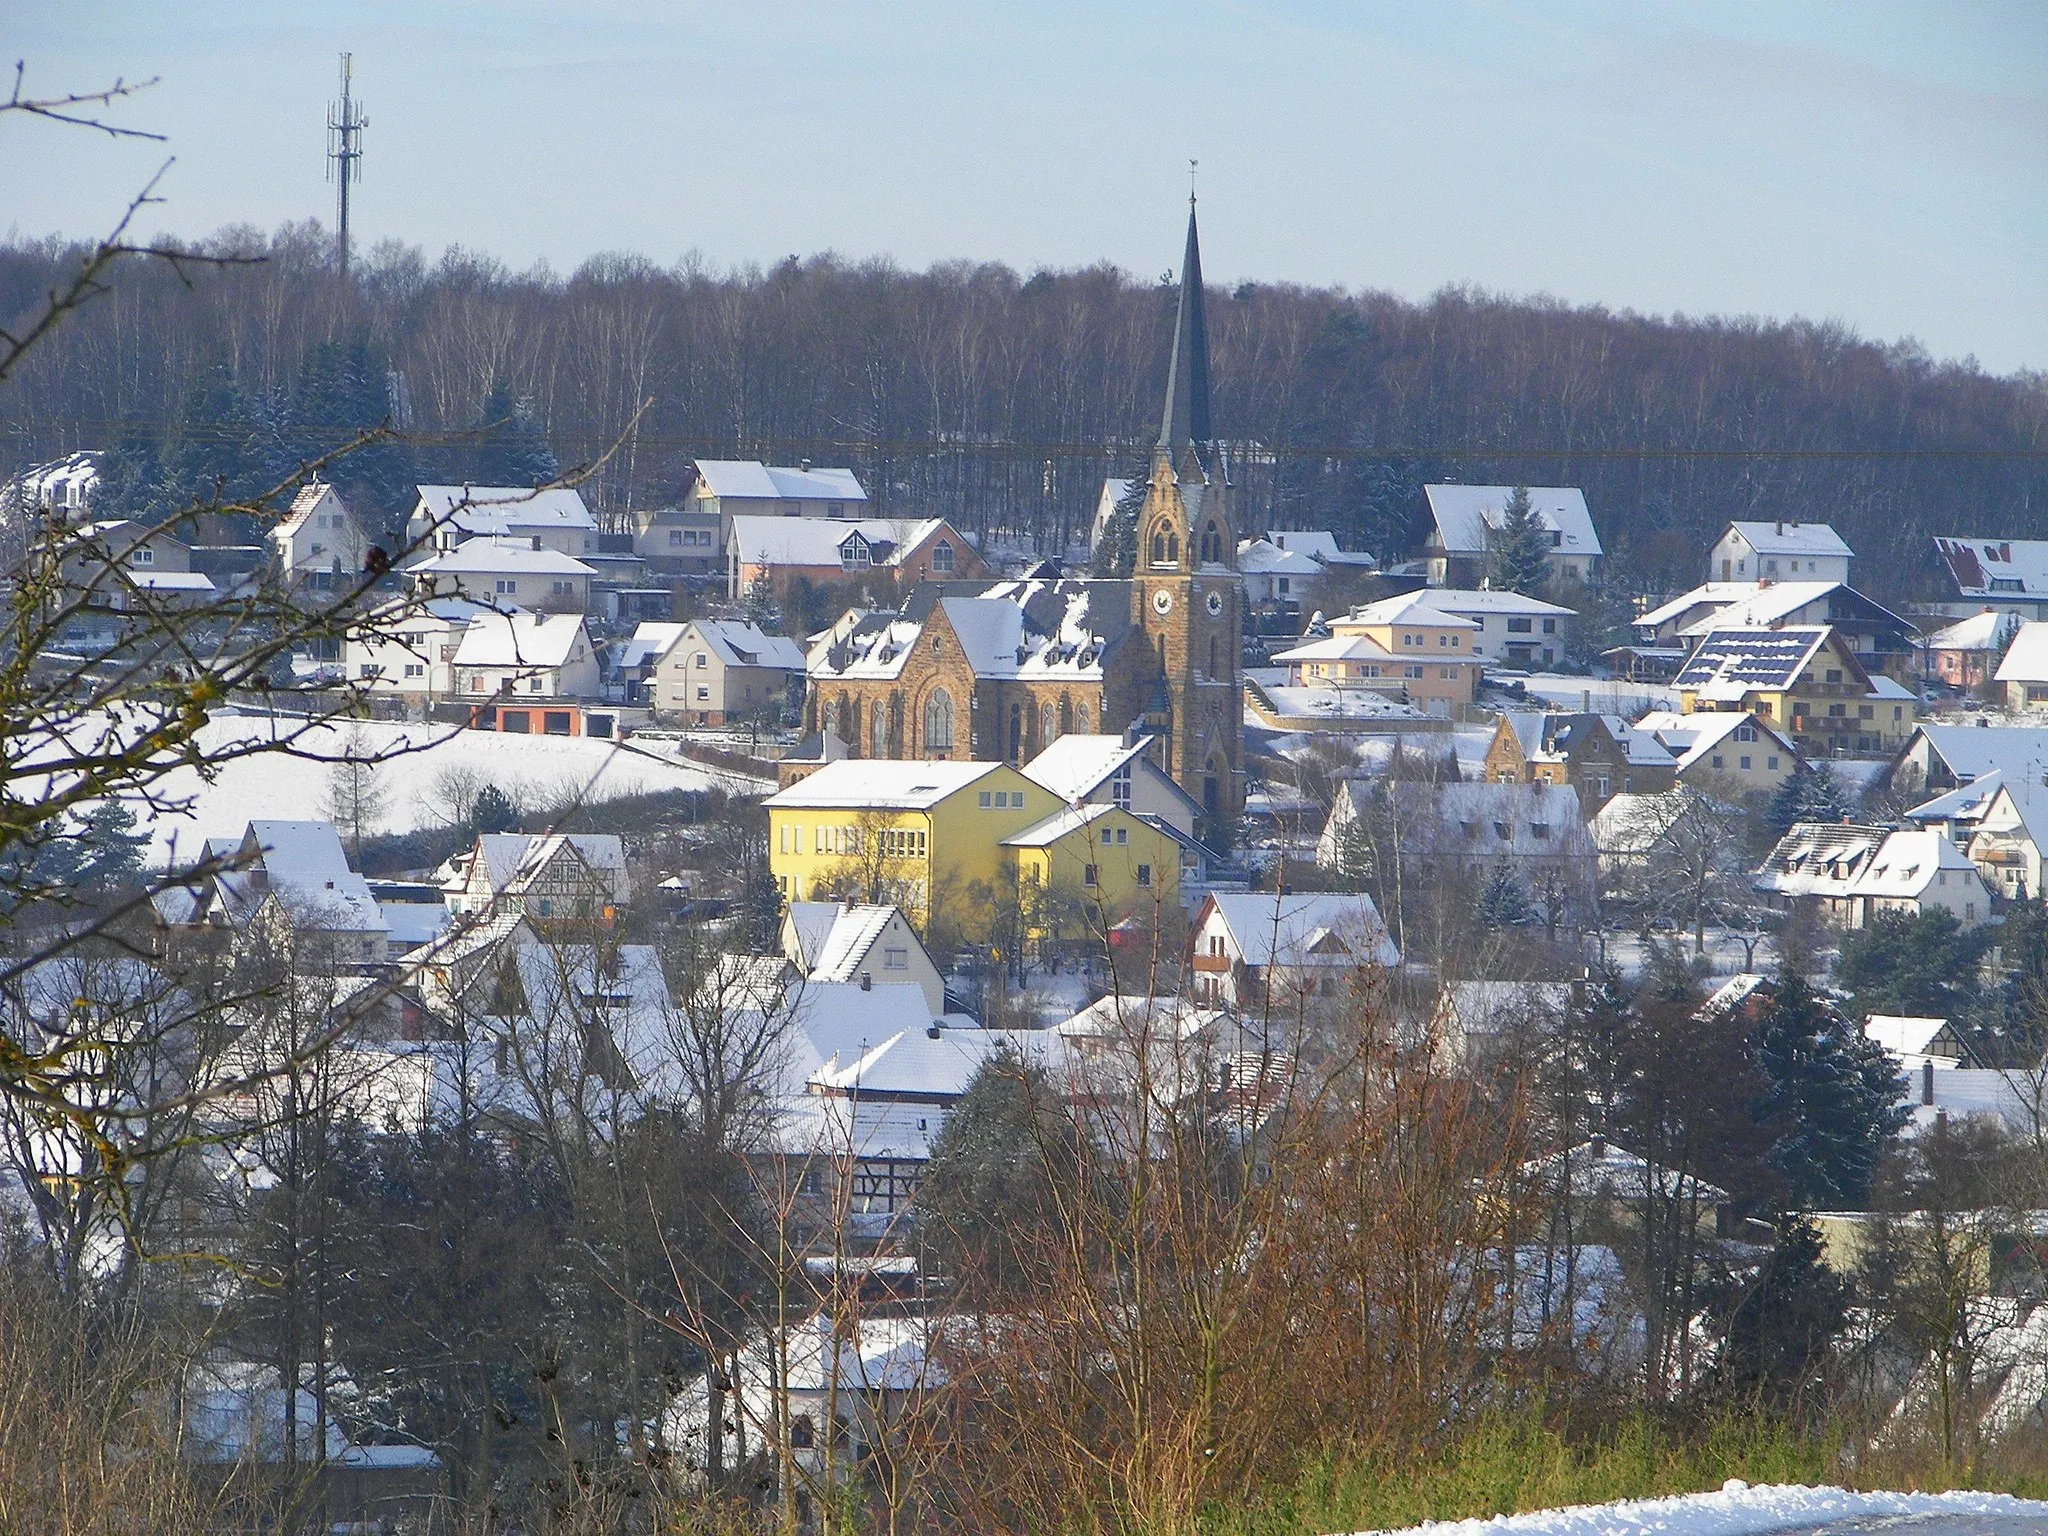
{"type": "Point", "coordinates": [1002, 400]}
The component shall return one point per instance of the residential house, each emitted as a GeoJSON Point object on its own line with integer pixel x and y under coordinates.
{"type": "Point", "coordinates": [1854, 872]}
{"type": "Point", "coordinates": [1088, 867]}
{"type": "Point", "coordinates": [1729, 753]}
{"type": "Point", "coordinates": [521, 656]}
{"type": "Point", "coordinates": [1320, 545]}
{"type": "Point", "coordinates": [447, 516]}
{"type": "Point", "coordinates": [507, 572]}
{"type": "Point", "coordinates": [62, 487]}
{"type": "Point", "coordinates": [1633, 832]}
{"type": "Point", "coordinates": [1276, 581]}
{"type": "Point", "coordinates": [1476, 1023]}
{"type": "Point", "coordinates": [1882, 641]}
{"type": "Point", "coordinates": [719, 671]}
{"type": "Point", "coordinates": [2000, 822]}
{"type": "Point", "coordinates": [1114, 490]}
{"type": "Point", "coordinates": [846, 941]}
{"type": "Point", "coordinates": [1779, 551]}
{"type": "Point", "coordinates": [1598, 755]}
{"type": "Point", "coordinates": [2023, 674]}
{"type": "Point", "coordinates": [1943, 756]}
{"type": "Point", "coordinates": [1339, 708]}
{"type": "Point", "coordinates": [555, 877]}
{"type": "Point", "coordinates": [1428, 652]}
{"type": "Point", "coordinates": [1994, 575]}
{"type": "Point", "coordinates": [915, 834]}
{"type": "Point", "coordinates": [1912, 1041]}
{"type": "Point", "coordinates": [1457, 836]}
{"type": "Point", "coordinates": [1467, 517]}
{"type": "Point", "coordinates": [282, 879]}
{"type": "Point", "coordinates": [117, 565]}
{"type": "Point", "coordinates": [319, 546]}
{"type": "Point", "coordinates": [730, 488]}
{"type": "Point", "coordinates": [1807, 682]}
{"type": "Point", "coordinates": [1281, 951]}
{"type": "Point", "coordinates": [408, 649]}
{"type": "Point", "coordinates": [1965, 654]}
{"type": "Point", "coordinates": [630, 663]}
{"type": "Point", "coordinates": [679, 541]}
{"type": "Point", "coordinates": [771, 553]}
{"type": "Point", "coordinates": [1514, 630]}
{"type": "Point", "coordinates": [1122, 771]}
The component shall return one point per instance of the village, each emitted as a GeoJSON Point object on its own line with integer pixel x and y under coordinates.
{"type": "Point", "coordinates": [852, 814]}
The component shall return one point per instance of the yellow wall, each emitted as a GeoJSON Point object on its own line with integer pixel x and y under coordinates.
{"type": "Point", "coordinates": [961, 843]}
{"type": "Point", "coordinates": [1061, 868]}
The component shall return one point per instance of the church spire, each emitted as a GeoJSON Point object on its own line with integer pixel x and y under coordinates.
{"type": "Point", "coordinates": [1186, 419]}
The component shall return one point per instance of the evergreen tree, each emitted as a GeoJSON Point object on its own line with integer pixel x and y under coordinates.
{"type": "Point", "coordinates": [511, 447]}
{"type": "Point", "coordinates": [111, 847]}
{"type": "Point", "coordinates": [1813, 793]}
{"type": "Point", "coordinates": [1503, 903]}
{"type": "Point", "coordinates": [2009, 1028]}
{"type": "Point", "coordinates": [1520, 547]}
{"type": "Point", "coordinates": [226, 449]}
{"type": "Point", "coordinates": [493, 811]}
{"type": "Point", "coordinates": [1116, 553]}
{"type": "Point", "coordinates": [132, 482]}
{"type": "Point", "coordinates": [342, 394]}
{"type": "Point", "coordinates": [1923, 964]}
{"type": "Point", "coordinates": [1832, 1095]}
{"type": "Point", "coordinates": [1781, 1328]}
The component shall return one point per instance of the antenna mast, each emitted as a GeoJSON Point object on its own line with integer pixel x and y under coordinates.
{"type": "Point", "coordinates": [345, 125]}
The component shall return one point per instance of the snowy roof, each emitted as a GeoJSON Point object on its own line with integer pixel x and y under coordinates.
{"type": "Point", "coordinates": [1764, 607]}
{"type": "Point", "coordinates": [1733, 662]}
{"type": "Point", "coordinates": [1463, 514]}
{"type": "Point", "coordinates": [2027, 660]}
{"type": "Point", "coordinates": [168, 581]}
{"type": "Point", "coordinates": [1550, 737]}
{"type": "Point", "coordinates": [753, 479]}
{"type": "Point", "coordinates": [1820, 858]}
{"type": "Point", "coordinates": [310, 496]}
{"type": "Point", "coordinates": [1478, 821]}
{"type": "Point", "coordinates": [1115, 1016]}
{"type": "Point", "coordinates": [1076, 764]}
{"type": "Point", "coordinates": [1711, 594]}
{"type": "Point", "coordinates": [1966, 802]}
{"type": "Point", "coordinates": [853, 931]}
{"type": "Point", "coordinates": [1787, 538]}
{"type": "Point", "coordinates": [819, 541]}
{"type": "Point", "coordinates": [1319, 545]}
{"type": "Point", "coordinates": [863, 783]}
{"type": "Point", "coordinates": [1261, 557]}
{"type": "Point", "coordinates": [1908, 862]}
{"type": "Point", "coordinates": [491, 554]}
{"type": "Point", "coordinates": [1305, 928]}
{"type": "Point", "coordinates": [1971, 751]}
{"type": "Point", "coordinates": [1035, 629]}
{"type": "Point", "coordinates": [647, 644]}
{"type": "Point", "coordinates": [1635, 824]}
{"type": "Point", "coordinates": [1480, 1007]}
{"type": "Point", "coordinates": [1331, 703]}
{"type": "Point", "coordinates": [1337, 648]}
{"type": "Point", "coordinates": [1472, 600]}
{"type": "Point", "coordinates": [739, 644]}
{"type": "Point", "coordinates": [1066, 820]}
{"type": "Point", "coordinates": [1903, 1034]}
{"type": "Point", "coordinates": [1996, 567]}
{"type": "Point", "coordinates": [810, 924]}
{"type": "Point", "coordinates": [302, 864]}
{"type": "Point", "coordinates": [1691, 738]}
{"type": "Point", "coordinates": [510, 860]}
{"type": "Point", "coordinates": [1986, 631]}
{"type": "Point", "coordinates": [495, 509]}
{"type": "Point", "coordinates": [1408, 608]}
{"type": "Point", "coordinates": [520, 640]}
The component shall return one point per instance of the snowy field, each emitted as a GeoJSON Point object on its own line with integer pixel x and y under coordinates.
{"type": "Point", "coordinates": [1605, 696]}
{"type": "Point", "coordinates": [419, 766]}
{"type": "Point", "coordinates": [1740, 1510]}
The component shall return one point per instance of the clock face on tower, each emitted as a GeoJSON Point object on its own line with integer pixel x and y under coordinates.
{"type": "Point", "coordinates": [1162, 602]}
{"type": "Point", "coordinates": [1215, 605]}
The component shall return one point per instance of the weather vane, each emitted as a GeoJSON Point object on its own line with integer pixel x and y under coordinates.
{"type": "Point", "coordinates": [1192, 166]}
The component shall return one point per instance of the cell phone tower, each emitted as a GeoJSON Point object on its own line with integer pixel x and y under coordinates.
{"type": "Point", "coordinates": [345, 125]}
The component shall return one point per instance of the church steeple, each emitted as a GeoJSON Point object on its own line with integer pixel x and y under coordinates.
{"type": "Point", "coordinates": [1185, 423]}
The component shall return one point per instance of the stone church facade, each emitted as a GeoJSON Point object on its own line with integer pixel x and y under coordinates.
{"type": "Point", "coordinates": [1000, 670]}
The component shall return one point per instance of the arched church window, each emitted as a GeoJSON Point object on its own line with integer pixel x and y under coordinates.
{"type": "Point", "coordinates": [1081, 718]}
{"type": "Point", "coordinates": [878, 731]}
{"type": "Point", "coordinates": [1045, 719]}
{"type": "Point", "coordinates": [938, 723]}
{"type": "Point", "coordinates": [1016, 734]}
{"type": "Point", "coordinates": [1173, 549]}
{"type": "Point", "coordinates": [1159, 549]}
{"type": "Point", "coordinates": [1066, 714]}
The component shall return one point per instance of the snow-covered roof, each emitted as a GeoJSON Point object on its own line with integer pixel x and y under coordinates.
{"type": "Point", "coordinates": [1635, 824]}
{"type": "Point", "coordinates": [509, 861]}
{"type": "Point", "coordinates": [1261, 557]}
{"type": "Point", "coordinates": [1319, 545]}
{"type": "Point", "coordinates": [819, 541]}
{"type": "Point", "coordinates": [1066, 820]}
{"type": "Point", "coordinates": [303, 865]}
{"type": "Point", "coordinates": [646, 645]}
{"type": "Point", "coordinates": [1484, 822]}
{"type": "Point", "coordinates": [1549, 737]}
{"type": "Point", "coordinates": [1764, 607]}
{"type": "Point", "coordinates": [1476, 600]}
{"type": "Point", "coordinates": [1711, 594]}
{"type": "Point", "coordinates": [1337, 648]}
{"type": "Point", "coordinates": [1789, 538]}
{"type": "Point", "coordinates": [1075, 765]}
{"type": "Point", "coordinates": [1908, 862]}
{"type": "Point", "coordinates": [810, 924]}
{"type": "Point", "coordinates": [1971, 751]}
{"type": "Point", "coordinates": [520, 640]}
{"type": "Point", "coordinates": [750, 478]}
{"type": "Point", "coordinates": [310, 496]}
{"type": "Point", "coordinates": [168, 581]}
{"type": "Point", "coordinates": [498, 509]}
{"type": "Point", "coordinates": [1407, 608]}
{"type": "Point", "coordinates": [839, 955]}
{"type": "Point", "coordinates": [1965, 803]}
{"type": "Point", "coordinates": [490, 554]}
{"type": "Point", "coordinates": [1692, 738]}
{"type": "Point", "coordinates": [1988, 631]}
{"type": "Point", "coordinates": [1305, 928]}
{"type": "Point", "coordinates": [1996, 567]}
{"type": "Point", "coordinates": [1733, 662]}
{"type": "Point", "coordinates": [1464, 513]}
{"type": "Point", "coordinates": [1820, 858]}
{"type": "Point", "coordinates": [1313, 702]}
{"type": "Point", "coordinates": [863, 783]}
{"type": "Point", "coordinates": [1903, 1034]}
{"type": "Point", "coordinates": [740, 644]}
{"type": "Point", "coordinates": [2027, 659]}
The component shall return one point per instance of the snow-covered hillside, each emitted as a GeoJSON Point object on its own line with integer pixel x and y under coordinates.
{"type": "Point", "coordinates": [1740, 1510]}
{"type": "Point", "coordinates": [417, 763]}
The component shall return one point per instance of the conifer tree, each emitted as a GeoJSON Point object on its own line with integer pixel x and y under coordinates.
{"type": "Point", "coordinates": [1503, 903]}
{"type": "Point", "coordinates": [1520, 547]}
{"type": "Point", "coordinates": [1813, 793]}
{"type": "Point", "coordinates": [512, 448]}
{"type": "Point", "coordinates": [1833, 1095]}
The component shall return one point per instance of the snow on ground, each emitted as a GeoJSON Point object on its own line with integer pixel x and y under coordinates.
{"type": "Point", "coordinates": [1740, 1510]}
{"type": "Point", "coordinates": [531, 769]}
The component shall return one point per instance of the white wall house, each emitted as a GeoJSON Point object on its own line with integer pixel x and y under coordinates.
{"type": "Point", "coordinates": [1779, 551]}
{"type": "Point", "coordinates": [63, 486]}
{"type": "Point", "coordinates": [319, 545]}
{"type": "Point", "coordinates": [507, 572]}
{"type": "Point", "coordinates": [151, 565]}
{"type": "Point", "coordinates": [729, 488]}
{"type": "Point", "coordinates": [1289, 948]}
{"type": "Point", "coordinates": [526, 655]}
{"type": "Point", "coordinates": [721, 670]}
{"type": "Point", "coordinates": [1466, 516]}
{"type": "Point", "coordinates": [848, 941]}
{"type": "Point", "coordinates": [448, 515]}
{"type": "Point", "coordinates": [409, 649]}
{"type": "Point", "coordinates": [1514, 630]}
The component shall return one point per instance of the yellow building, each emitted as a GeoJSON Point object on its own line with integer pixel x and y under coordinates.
{"type": "Point", "coordinates": [1410, 643]}
{"type": "Point", "coordinates": [1088, 867]}
{"type": "Point", "coordinates": [923, 836]}
{"type": "Point", "coordinates": [1806, 683]}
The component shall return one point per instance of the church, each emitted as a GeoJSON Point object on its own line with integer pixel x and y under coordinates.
{"type": "Point", "coordinates": [1000, 670]}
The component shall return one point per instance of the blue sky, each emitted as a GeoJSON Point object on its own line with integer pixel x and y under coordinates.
{"type": "Point", "coordinates": [1881, 164]}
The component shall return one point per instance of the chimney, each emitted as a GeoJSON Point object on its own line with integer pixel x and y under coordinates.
{"type": "Point", "coordinates": [804, 465]}
{"type": "Point", "coordinates": [848, 900]}
{"type": "Point", "coordinates": [932, 1030]}
{"type": "Point", "coordinates": [536, 541]}
{"type": "Point", "coordinates": [1926, 1082]}
{"type": "Point", "coordinates": [1585, 701]}
{"type": "Point", "coordinates": [867, 981]}
{"type": "Point", "coordinates": [1781, 527]}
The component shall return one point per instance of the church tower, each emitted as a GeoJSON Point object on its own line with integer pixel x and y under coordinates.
{"type": "Point", "coordinates": [1185, 595]}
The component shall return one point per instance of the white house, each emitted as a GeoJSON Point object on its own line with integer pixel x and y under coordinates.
{"type": "Point", "coordinates": [526, 655]}
{"type": "Point", "coordinates": [1275, 579]}
{"type": "Point", "coordinates": [2000, 822]}
{"type": "Point", "coordinates": [729, 488]}
{"type": "Point", "coordinates": [1287, 948]}
{"type": "Point", "coordinates": [63, 486]}
{"type": "Point", "coordinates": [1320, 545]}
{"type": "Point", "coordinates": [283, 877]}
{"type": "Point", "coordinates": [541, 877]}
{"type": "Point", "coordinates": [1468, 516]}
{"type": "Point", "coordinates": [1854, 872]}
{"type": "Point", "coordinates": [117, 564]}
{"type": "Point", "coordinates": [507, 572]}
{"type": "Point", "coordinates": [849, 941]}
{"type": "Point", "coordinates": [1516, 630]}
{"type": "Point", "coordinates": [319, 545]}
{"type": "Point", "coordinates": [1779, 551]}
{"type": "Point", "coordinates": [409, 648]}
{"type": "Point", "coordinates": [2002, 575]}
{"type": "Point", "coordinates": [448, 515]}
{"type": "Point", "coordinates": [2023, 674]}
{"type": "Point", "coordinates": [1110, 770]}
{"type": "Point", "coordinates": [718, 670]}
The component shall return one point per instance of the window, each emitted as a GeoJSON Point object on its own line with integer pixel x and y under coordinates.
{"type": "Point", "coordinates": [1540, 830]}
{"type": "Point", "coordinates": [1720, 762]}
{"type": "Point", "coordinates": [1123, 836]}
{"type": "Point", "coordinates": [1105, 837]}
{"type": "Point", "coordinates": [1447, 672]}
{"type": "Point", "coordinates": [1120, 788]}
{"type": "Point", "coordinates": [1443, 642]}
{"type": "Point", "coordinates": [1744, 762]}
{"type": "Point", "coordinates": [1837, 709]}
{"type": "Point", "coordinates": [1834, 674]}
{"type": "Point", "coordinates": [1414, 672]}
{"type": "Point", "coordinates": [895, 959]}
{"type": "Point", "coordinates": [1771, 763]}
{"type": "Point", "coordinates": [703, 694]}
{"type": "Point", "coordinates": [942, 556]}
{"type": "Point", "coordinates": [1144, 874]}
{"type": "Point", "coordinates": [1521, 626]}
{"type": "Point", "coordinates": [507, 588]}
{"type": "Point", "coordinates": [675, 536]}
{"type": "Point", "coordinates": [984, 800]}
{"type": "Point", "coordinates": [1283, 586]}
{"type": "Point", "coordinates": [144, 555]}
{"type": "Point", "coordinates": [1745, 733]}
{"type": "Point", "coordinates": [415, 669]}
{"type": "Point", "coordinates": [1088, 875]}
{"type": "Point", "coordinates": [1600, 787]}
{"type": "Point", "coordinates": [555, 722]}
{"type": "Point", "coordinates": [369, 669]}
{"type": "Point", "coordinates": [938, 720]}
{"type": "Point", "coordinates": [1550, 626]}
{"type": "Point", "coordinates": [700, 660]}
{"type": "Point", "coordinates": [1866, 711]}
